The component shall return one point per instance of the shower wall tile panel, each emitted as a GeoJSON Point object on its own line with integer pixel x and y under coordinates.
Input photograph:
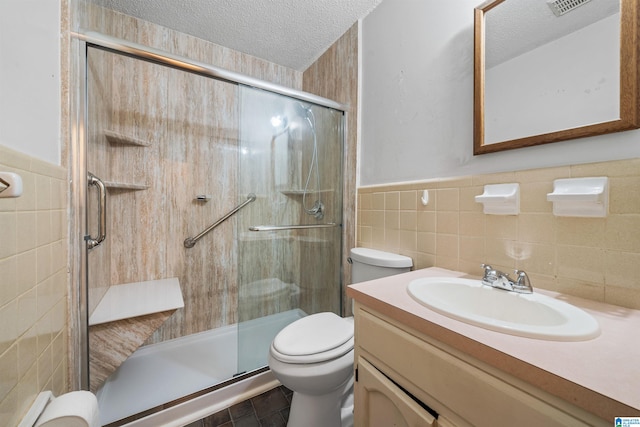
{"type": "Point", "coordinates": [593, 258]}
{"type": "Point", "coordinates": [335, 76]}
{"type": "Point", "coordinates": [202, 152]}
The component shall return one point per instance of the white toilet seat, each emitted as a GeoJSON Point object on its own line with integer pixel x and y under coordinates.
{"type": "Point", "coordinates": [313, 358]}
{"type": "Point", "coordinates": [313, 339]}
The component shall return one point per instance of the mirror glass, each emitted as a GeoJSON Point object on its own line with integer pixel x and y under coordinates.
{"type": "Point", "coordinates": [544, 75]}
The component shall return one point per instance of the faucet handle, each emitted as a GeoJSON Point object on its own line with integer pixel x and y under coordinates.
{"type": "Point", "coordinates": [522, 277]}
{"type": "Point", "coordinates": [487, 271]}
{"type": "Point", "coordinates": [523, 283]}
{"type": "Point", "coordinates": [490, 275]}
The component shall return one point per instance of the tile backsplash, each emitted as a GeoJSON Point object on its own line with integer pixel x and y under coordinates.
{"type": "Point", "coordinates": [33, 285]}
{"type": "Point", "coordinates": [594, 258]}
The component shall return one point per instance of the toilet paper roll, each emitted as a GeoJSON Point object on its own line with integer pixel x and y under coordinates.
{"type": "Point", "coordinates": [74, 409]}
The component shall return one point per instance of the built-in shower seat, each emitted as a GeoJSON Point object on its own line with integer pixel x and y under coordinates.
{"type": "Point", "coordinates": [124, 319]}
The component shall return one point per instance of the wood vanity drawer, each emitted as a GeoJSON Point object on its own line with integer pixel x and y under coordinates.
{"type": "Point", "coordinates": [464, 393]}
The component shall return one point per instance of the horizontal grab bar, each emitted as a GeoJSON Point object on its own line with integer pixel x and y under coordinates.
{"type": "Point", "coordinates": [289, 227]}
{"type": "Point", "coordinates": [190, 242]}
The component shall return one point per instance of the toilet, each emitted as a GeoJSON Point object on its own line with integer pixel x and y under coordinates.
{"type": "Point", "coordinates": [313, 356]}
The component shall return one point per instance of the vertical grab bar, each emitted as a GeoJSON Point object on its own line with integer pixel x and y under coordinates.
{"type": "Point", "coordinates": [102, 212]}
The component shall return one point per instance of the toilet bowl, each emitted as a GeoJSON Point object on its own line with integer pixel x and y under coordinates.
{"type": "Point", "coordinates": [314, 356]}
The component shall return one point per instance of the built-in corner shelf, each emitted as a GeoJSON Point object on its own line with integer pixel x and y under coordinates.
{"type": "Point", "coordinates": [125, 186]}
{"type": "Point", "coordinates": [137, 299]}
{"type": "Point", "coordinates": [116, 138]}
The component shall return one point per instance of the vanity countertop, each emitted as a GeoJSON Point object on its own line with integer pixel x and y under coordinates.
{"type": "Point", "coordinates": [601, 375]}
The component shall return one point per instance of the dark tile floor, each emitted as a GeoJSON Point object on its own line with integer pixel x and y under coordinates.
{"type": "Point", "coordinates": [270, 409]}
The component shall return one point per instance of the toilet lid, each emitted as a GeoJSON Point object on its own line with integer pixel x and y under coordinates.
{"type": "Point", "coordinates": [313, 334]}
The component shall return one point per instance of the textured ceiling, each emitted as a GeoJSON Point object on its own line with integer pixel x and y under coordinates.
{"type": "Point", "coordinates": [518, 26]}
{"type": "Point", "coordinates": [293, 33]}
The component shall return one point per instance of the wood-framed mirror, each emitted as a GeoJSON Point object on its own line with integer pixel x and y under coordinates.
{"type": "Point", "coordinates": [570, 74]}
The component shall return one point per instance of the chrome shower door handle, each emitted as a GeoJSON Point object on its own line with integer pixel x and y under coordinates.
{"type": "Point", "coordinates": [102, 212]}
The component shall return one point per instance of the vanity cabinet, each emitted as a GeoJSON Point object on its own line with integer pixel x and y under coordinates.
{"type": "Point", "coordinates": [407, 378]}
{"type": "Point", "coordinates": [382, 403]}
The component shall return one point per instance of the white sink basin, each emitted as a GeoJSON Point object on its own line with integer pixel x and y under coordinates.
{"type": "Point", "coordinates": [527, 315]}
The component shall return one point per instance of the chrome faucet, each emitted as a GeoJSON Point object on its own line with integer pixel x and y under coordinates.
{"type": "Point", "coordinates": [500, 280]}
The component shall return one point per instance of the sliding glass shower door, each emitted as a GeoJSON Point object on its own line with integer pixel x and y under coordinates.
{"type": "Point", "coordinates": [289, 239]}
{"type": "Point", "coordinates": [168, 156]}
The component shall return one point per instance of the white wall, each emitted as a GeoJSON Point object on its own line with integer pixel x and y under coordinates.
{"type": "Point", "coordinates": [417, 101]}
{"type": "Point", "coordinates": [30, 77]}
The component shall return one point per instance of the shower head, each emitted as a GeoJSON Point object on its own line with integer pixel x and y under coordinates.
{"type": "Point", "coordinates": [307, 114]}
{"type": "Point", "coordinates": [305, 108]}
{"type": "Point", "coordinates": [279, 122]}
{"type": "Point", "coordinates": [298, 112]}
{"type": "Point", "coordinates": [280, 125]}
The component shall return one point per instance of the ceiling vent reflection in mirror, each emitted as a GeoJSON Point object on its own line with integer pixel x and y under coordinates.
{"type": "Point", "coordinates": [560, 7]}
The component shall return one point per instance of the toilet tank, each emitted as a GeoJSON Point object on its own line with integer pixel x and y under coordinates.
{"type": "Point", "coordinates": [369, 264]}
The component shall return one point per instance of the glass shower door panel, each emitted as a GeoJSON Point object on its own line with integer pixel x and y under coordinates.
{"type": "Point", "coordinates": [159, 137]}
{"type": "Point", "coordinates": [291, 157]}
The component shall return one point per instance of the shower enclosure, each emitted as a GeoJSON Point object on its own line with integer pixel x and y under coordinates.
{"type": "Point", "coordinates": [213, 219]}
